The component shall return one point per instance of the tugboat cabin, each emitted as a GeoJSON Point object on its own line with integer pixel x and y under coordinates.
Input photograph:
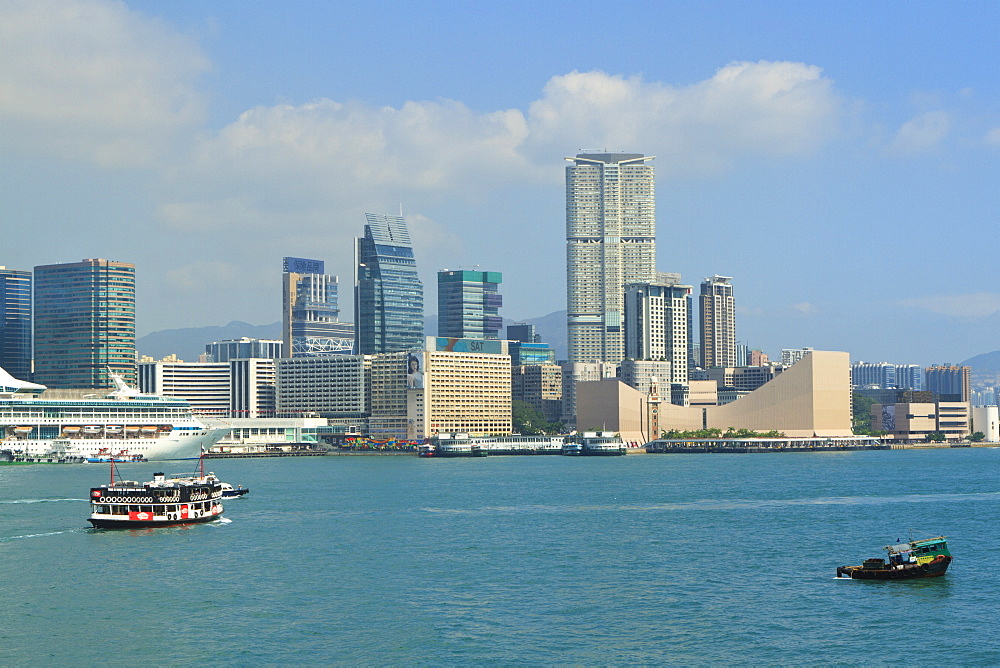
{"type": "Point", "coordinates": [917, 551]}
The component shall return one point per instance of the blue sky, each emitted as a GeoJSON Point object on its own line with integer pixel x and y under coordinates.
{"type": "Point", "coordinates": [839, 160]}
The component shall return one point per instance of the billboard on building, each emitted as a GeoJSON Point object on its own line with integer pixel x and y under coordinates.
{"type": "Point", "coordinates": [414, 371]}
{"type": "Point", "coordinates": [301, 265]}
{"type": "Point", "coordinates": [453, 345]}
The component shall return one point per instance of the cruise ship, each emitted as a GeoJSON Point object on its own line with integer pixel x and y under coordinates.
{"type": "Point", "coordinates": [122, 422]}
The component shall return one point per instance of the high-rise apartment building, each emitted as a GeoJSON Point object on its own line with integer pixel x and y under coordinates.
{"type": "Point", "coordinates": [469, 304]}
{"type": "Point", "coordinates": [657, 324]}
{"type": "Point", "coordinates": [717, 313]}
{"type": "Point", "coordinates": [389, 297]}
{"type": "Point", "coordinates": [84, 323]}
{"type": "Point", "coordinates": [310, 323]}
{"type": "Point", "coordinates": [882, 375]}
{"type": "Point", "coordinates": [610, 241]}
{"type": "Point", "coordinates": [15, 322]}
{"type": "Point", "coordinates": [949, 380]}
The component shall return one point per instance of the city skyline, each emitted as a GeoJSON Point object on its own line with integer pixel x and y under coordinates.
{"type": "Point", "coordinates": [819, 155]}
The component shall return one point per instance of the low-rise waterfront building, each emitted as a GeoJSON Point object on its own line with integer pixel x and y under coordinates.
{"type": "Point", "coordinates": [810, 399]}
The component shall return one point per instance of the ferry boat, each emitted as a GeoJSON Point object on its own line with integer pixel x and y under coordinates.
{"type": "Point", "coordinates": [104, 456]}
{"type": "Point", "coordinates": [601, 443]}
{"type": "Point", "coordinates": [163, 501]}
{"type": "Point", "coordinates": [463, 445]}
{"type": "Point", "coordinates": [926, 558]}
{"type": "Point", "coordinates": [145, 426]}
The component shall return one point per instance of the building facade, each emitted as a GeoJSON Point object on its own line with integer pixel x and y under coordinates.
{"type": "Point", "coordinates": [84, 323]}
{"type": "Point", "coordinates": [332, 386]}
{"type": "Point", "coordinates": [645, 374]}
{"type": "Point", "coordinates": [448, 386]}
{"type": "Point", "coordinates": [205, 385]}
{"type": "Point", "coordinates": [657, 325]}
{"type": "Point", "coordinates": [310, 323]}
{"type": "Point", "coordinates": [469, 304]}
{"type": "Point", "coordinates": [610, 242]}
{"type": "Point", "coordinates": [717, 312]}
{"type": "Point", "coordinates": [15, 322]}
{"type": "Point", "coordinates": [239, 388]}
{"type": "Point", "coordinates": [540, 386]}
{"type": "Point", "coordinates": [389, 297]}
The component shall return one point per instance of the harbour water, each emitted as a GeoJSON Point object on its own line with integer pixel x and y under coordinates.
{"type": "Point", "coordinates": [684, 559]}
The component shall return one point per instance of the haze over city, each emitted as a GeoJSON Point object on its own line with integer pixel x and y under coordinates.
{"type": "Point", "coordinates": [840, 163]}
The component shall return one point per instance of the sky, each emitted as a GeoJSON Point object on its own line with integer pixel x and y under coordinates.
{"type": "Point", "coordinates": [841, 161]}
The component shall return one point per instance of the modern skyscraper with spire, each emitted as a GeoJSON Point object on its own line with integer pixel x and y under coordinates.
{"type": "Point", "coordinates": [610, 242]}
{"type": "Point", "coordinates": [388, 295]}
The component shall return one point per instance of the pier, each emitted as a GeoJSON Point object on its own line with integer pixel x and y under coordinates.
{"type": "Point", "coordinates": [741, 445]}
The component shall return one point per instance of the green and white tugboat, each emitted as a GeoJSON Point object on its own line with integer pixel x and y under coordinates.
{"type": "Point", "coordinates": [926, 558]}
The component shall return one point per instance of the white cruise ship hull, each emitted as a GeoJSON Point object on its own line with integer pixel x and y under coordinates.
{"type": "Point", "coordinates": [189, 445]}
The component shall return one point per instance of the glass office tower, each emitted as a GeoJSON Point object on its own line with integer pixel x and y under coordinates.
{"type": "Point", "coordinates": [389, 298]}
{"type": "Point", "coordinates": [84, 323]}
{"type": "Point", "coordinates": [15, 322]}
{"type": "Point", "coordinates": [469, 304]}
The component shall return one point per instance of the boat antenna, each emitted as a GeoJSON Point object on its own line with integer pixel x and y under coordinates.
{"type": "Point", "coordinates": [113, 471]}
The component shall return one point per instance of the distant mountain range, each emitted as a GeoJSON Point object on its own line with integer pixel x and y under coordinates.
{"type": "Point", "coordinates": [189, 342]}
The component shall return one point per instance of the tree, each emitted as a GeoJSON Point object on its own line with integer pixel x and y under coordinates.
{"type": "Point", "coordinates": [977, 437]}
{"type": "Point", "coordinates": [935, 437]}
{"type": "Point", "coordinates": [861, 407]}
{"type": "Point", "coordinates": [529, 421]}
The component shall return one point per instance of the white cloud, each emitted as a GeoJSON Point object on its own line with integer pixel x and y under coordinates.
{"type": "Point", "coordinates": [770, 108]}
{"type": "Point", "coordinates": [94, 81]}
{"type": "Point", "coordinates": [349, 156]}
{"type": "Point", "coordinates": [976, 305]}
{"type": "Point", "coordinates": [922, 132]}
{"type": "Point", "coordinates": [805, 308]}
{"type": "Point", "coordinates": [993, 137]}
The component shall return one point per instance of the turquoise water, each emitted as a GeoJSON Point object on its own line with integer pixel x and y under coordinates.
{"type": "Point", "coordinates": [692, 559]}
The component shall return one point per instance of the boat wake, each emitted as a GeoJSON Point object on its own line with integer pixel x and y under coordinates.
{"type": "Point", "coordinates": [730, 504]}
{"type": "Point", "coordinates": [11, 501]}
{"type": "Point", "coordinates": [7, 539]}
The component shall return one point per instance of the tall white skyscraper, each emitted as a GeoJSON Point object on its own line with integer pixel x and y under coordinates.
{"type": "Point", "coordinates": [610, 241]}
{"type": "Point", "coordinates": [718, 323]}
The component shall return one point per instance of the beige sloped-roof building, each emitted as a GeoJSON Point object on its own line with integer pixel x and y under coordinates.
{"type": "Point", "coordinates": [812, 398]}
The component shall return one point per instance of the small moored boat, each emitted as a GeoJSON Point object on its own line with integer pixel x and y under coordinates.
{"type": "Point", "coordinates": [926, 558]}
{"type": "Point", "coordinates": [230, 492]}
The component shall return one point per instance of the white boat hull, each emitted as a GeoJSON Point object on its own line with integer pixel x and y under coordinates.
{"type": "Point", "coordinates": [189, 445]}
